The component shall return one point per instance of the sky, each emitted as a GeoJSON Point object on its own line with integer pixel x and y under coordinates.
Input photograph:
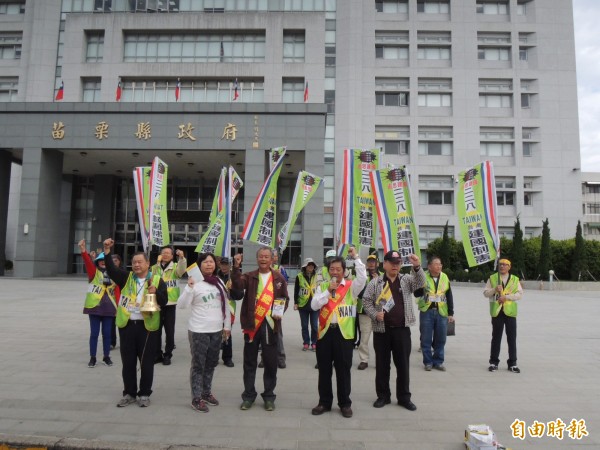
{"type": "Point", "coordinates": [586, 14]}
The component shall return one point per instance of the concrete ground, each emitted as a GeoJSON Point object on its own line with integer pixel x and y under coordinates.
{"type": "Point", "coordinates": [49, 397]}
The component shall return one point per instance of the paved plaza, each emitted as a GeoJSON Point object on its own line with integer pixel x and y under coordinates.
{"type": "Point", "coordinates": [48, 395]}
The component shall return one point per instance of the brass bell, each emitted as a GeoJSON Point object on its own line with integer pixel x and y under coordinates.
{"type": "Point", "coordinates": [150, 304]}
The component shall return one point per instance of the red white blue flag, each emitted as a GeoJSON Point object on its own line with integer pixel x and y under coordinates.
{"type": "Point", "coordinates": [177, 90]}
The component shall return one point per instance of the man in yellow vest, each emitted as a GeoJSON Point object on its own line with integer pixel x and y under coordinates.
{"type": "Point", "coordinates": [437, 309]}
{"type": "Point", "coordinates": [323, 274]}
{"type": "Point", "coordinates": [388, 301]}
{"type": "Point", "coordinates": [137, 329]}
{"type": "Point", "coordinates": [170, 273]}
{"type": "Point", "coordinates": [336, 300]}
{"type": "Point", "coordinates": [504, 291]}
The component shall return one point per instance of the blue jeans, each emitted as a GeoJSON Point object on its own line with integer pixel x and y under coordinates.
{"type": "Point", "coordinates": [95, 323]}
{"type": "Point", "coordinates": [305, 315]}
{"type": "Point", "coordinates": [433, 334]}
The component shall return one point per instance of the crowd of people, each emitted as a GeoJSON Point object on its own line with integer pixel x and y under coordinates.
{"type": "Point", "coordinates": [340, 306]}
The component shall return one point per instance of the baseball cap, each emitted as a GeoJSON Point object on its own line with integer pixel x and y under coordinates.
{"type": "Point", "coordinates": [224, 261]}
{"type": "Point", "coordinates": [392, 256]}
{"type": "Point", "coordinates": [100, 257]}
{"type": "Point", "coordinates": [331, 254]}
{"type": "Point", "coordinates": [372, 257]}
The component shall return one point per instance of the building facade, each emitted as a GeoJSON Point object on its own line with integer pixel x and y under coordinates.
{"type": "Point", "coordinates": [438, 85]}
{"type": "Point", "coordinates": [590, 190]}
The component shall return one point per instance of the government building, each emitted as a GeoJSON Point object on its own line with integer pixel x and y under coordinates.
{"type": "Point", "coordinates": [91, 89]}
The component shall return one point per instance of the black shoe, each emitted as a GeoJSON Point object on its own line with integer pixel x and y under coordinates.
{"type": "Point", "coordinates": [493, 368]}
{"type": "Point", "coordinates": [92, 362]}
{"type": "Point", "coordinates": [514, 369]}
{"type": "Point", "coordinates": [408, 405]}
{"type": "Point", "coordinates": [158, 360]}
{"type": "Point", "coordinates": [381, 402]}
{"type": "Point", "coordinates": [228, 363]}
{"type": "Point", "coordinates": [107, 361]}
{"type": "Point", "coordinates": [166, 361]}
{"type": "Point", "coordinates": [346, 411]}
{"type": "Point", "coordinates": [363, 365]}
{"type": "Point", "coordinates": [320, 409]}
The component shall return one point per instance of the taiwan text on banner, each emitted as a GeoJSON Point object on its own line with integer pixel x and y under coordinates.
{"type": "Point", "coordinates": [391, 191]}
{"type": "Point", "coordinates": [476, 210]}
{"type": "Point", "coordinates": [159, 226]}
{"type": "Point", "coordinates": [261, 221]}
{"type": "Point", "coordinates": [306, 186]}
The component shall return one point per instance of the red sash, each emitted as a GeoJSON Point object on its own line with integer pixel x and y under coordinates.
{"type": "Point", "coordinates": [263, 306]}
{"type": "Point", "coordinates": [327, 310]}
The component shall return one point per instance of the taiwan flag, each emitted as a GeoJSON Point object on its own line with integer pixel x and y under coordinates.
{"type": "Point", "coordinates": [177, 90]}
{"type": "Point", "coordinates": [119, 91]}
{"type": "Point", "coordinates": [61, 91]}
{"type": "Point", "coordinates": [236, 92]}
{"type": "Point", "coordinates": [306, 92]}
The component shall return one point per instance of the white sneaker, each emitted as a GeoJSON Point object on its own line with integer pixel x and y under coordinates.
{"type": "Point", "coordinates": [126, 401]}
{"type": "Point", "coordinates": [144, 401]}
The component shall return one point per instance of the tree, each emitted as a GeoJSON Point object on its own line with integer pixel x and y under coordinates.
{"type": "Point", "coordinates": [578, 262]}
{"type": "Point", "coordinates": [445, 249]}
{"type": "Point", "coordinates": [545, 261]}
{"type": "Point", "coordinates": [518, 259]}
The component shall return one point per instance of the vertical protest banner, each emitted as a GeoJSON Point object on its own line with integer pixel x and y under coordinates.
{"type": "Point", "coordinates": [306, 186]}
{"type": "Point", "coordinates": [261, 221]}
{"type": "Point", "coordinates": [141, 183]}
{"type": "Point", "coordinates": [159, 225]}
{"type": "Point", "coordinates": [217, 238]}
{"type": "Point", "coordinates": [393, 203]}
{"type": "Point", "coordinates": [219, 199]}
{"type": "Point", "coordinates": [477, 217]}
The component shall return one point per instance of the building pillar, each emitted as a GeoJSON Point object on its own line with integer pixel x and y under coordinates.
{"type": "Point", "coordinates": [38, 238]}
{"type": "Point", "coordinates": [5, 163]}
{"type": "Point", "coordinates": [102, 215]}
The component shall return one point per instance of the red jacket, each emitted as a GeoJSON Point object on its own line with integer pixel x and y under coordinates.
{"type": "Point", "coordinates": [249, 282]}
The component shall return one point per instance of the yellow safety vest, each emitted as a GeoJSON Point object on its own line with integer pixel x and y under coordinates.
{"type": "Point", "coordinates": [128, 297]}
{"type": "Point", "coordinates": [512, 287]}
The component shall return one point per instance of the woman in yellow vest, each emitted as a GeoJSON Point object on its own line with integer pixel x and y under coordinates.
{"type": "Point", "coordinates": [304, 289]}
{"type": "Point", "coordinates": [504, 291]}
{"type": "Point", "coordinates": [100, 304]}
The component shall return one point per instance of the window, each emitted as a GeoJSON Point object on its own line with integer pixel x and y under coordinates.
{"type": "Point", "coordinates": [293, 46]}
{"type": "Point", "coordinates": [592, 208]}
{"type": "Point", "coordinates": [522, 7]}
{"type": "Point", "coordinates": [436, 190]}
{"type": "Point", "coordinates": [495, 85]}
{"type": "Point", "coordinates": [394, 140]}
{"type": "Point", "coordinates": [292, 90]}
{"type": "Point", "coordinates": [199, 91]}
{"type": "Point", "coordinates": [248, 47]}
{"type": "Point", "coordinates": [495, 101]}
{"type": "Point", "coordinates": [391, 44]}
{"type": "Point", "coordinates": [433, 7]}
{"type": "Point", "coordinates": [496, 149]}
{"type": "Point", "coordinates": [433, 45]}
{"type": "Point", "coordinates": [12, 8]}
{"type": "Point", "coordinates": [91, 89]}
{"type": "Point", "coordinates": [492, 7]}
{"type": "Point", "coordinates": [391, 6]}
{"type": "Point", "coordinates": [523, 54]}
{"type": "Point", "coordinates": [592, 188]}
{"type": "Point", "coordinates": [528, 149]}
{"type": "Point", "coordinates": [496, 141]}
{"type": "Point", "coordinates": [391, 99]}
{"type": "Point", "coordinates": [428, 234]}
{"type": "Point", "coordinates": [435, 141]}
{"type": "Point", "coordinates": [95, 46]}
{"type": "Point", "coordinates": [505, 193]}
{"type": "Point", "coordinates": [506, 232]}
{"type": "Point", "coordinates": [433, 53]}
{"type": "Point", "coordinates": [525, 100]}
{"type": "Point", "coordinates": [435, 100]}
{"type": "Point", "coordinates": [493, 54]}
{"type": "Point", "coordinates": [435, 148]}
{"type": "Point", "coordinates": [9, 89]}
{"type": "Point", "coordinates": [10, 45]}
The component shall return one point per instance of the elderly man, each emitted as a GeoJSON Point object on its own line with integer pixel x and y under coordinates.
{"type": "Point", "coordinates": [504, 291]}
{"type": "Point", "coordinates": [138, 330]}
{"type": "Point", "coordinates": [336, 299]}
{"type": "Point", "coordinates": [388, 301]}
{"type": "Point", "coordinates": [260, 328]}
{"type": "Point", "coordinates": [170, 273]}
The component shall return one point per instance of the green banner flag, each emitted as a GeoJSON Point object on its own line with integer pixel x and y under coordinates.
{"type": "Point", "coordinates": [159, 225]}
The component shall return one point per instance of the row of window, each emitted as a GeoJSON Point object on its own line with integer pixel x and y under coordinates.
{"type": "Point", "coordinates": [499, 7]}
{"type": "Point", "coordinates": [12, 8]}
{"type": "Point", "coordinates": [445, 100]}
{"type": "Point", "coordinates": [208, 6]}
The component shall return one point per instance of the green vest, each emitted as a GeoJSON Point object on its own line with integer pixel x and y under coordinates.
{"type": "Point", "coordinates": [306, 289]}
{"type": "Point", "coordinates": [512, 287]}
{"type": "Point", "coordinates": [443, 284]}
{"type": "Point", "coordinates": [346, 314]}
{"type": "Point", "coordinates": [170, 277]}
{"type": "Point", "coordinates": [129, 296]}
{"type": "Point", "coordinates": [325, 274]}
{"type": "Point", "coordinates": [96, 290]}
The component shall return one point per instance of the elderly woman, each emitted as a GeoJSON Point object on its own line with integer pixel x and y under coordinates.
{"type": "Point", "coordinates": [209, 324]}
{"type": "Point", "coordinates": [100, 304]}
{"type": "Point", "coordinates": [304, 288]}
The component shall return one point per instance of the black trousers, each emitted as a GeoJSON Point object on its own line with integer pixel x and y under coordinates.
{"type": "Point", "coordinates": [113, 333]}
{"type": "Point", "coordinates": [397, 343]}
{"type": "Point", "coordinates": [227, 350]}
{"type": "Point", "coordinates": [167, 321]}
{"type": "Point", "coordinates": [137, 343]}
{"type": "Point", "coordinates": [334, 351]}
{"type": "Point", "coordinates": [498, 324]}
{"type": "Point", "coordinates": [267, 340]}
